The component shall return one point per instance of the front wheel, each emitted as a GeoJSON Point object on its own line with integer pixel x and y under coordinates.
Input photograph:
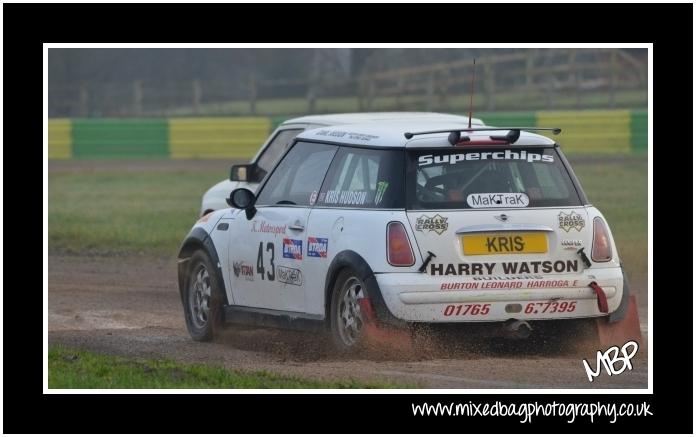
{"type": "Point", "coordinates": [347, 320]}
{"type": "Point", "coordinates": [203, 298]}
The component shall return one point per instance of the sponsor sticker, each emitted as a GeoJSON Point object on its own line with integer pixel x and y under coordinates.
{"type": "Point", "coordinates": [569, 221]}
{"type": "Point", "coordinates": [347, 135]}
{"type": "Point", "coordinates": [292, 248]}
{"type": "Point", "coordinates": [243, 270]}
{"type": "Point", "coordinates": [497, 200]}
{"type": "Point", "coordinates": [317, 247]}
{"type": "Point", "coordinates": [381, 188]}
{"type": "Point", "coordinates": [571, 244]}
{"type": "Point", "coordinates": [437, 224]}
{"type": "Point", "coordinates": [313, 197]}
{"type": "Point", "coordinates": [341, 197]}
{"type": "Point", "coordinates": [483, 156]}
{"type": "Point", "coordinates": [509, 284]}
{"type": "Point", "coordinates": [267, 228]}
{"type": "Point", "coordinates": [289, 275]}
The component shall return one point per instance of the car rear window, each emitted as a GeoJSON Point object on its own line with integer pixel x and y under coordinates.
{"type": "Point", "coordinates": [364, 178]}
{"type": "Point", "coordinates": [488, 178]}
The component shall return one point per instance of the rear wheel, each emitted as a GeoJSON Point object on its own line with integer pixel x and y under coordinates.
{"type": "Point", "coordinates": [203, 298]}
{"type": "Point", "coordinates": [347, 319]}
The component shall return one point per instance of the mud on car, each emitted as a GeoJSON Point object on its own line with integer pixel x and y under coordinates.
{"type": "Point", "coordinates": [403, 224]}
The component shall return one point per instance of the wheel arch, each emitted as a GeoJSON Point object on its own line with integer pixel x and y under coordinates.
{"type": "Point", "coordinates": [198, 239]}
{"type": "Point", "coordinates": [352, 260]}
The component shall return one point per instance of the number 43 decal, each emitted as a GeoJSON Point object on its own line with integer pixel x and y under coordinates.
{"type": "Point", "coordinates": [259, 262]}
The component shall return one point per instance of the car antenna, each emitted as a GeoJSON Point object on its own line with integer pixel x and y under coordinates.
{"type": "Point", "coordinates": [471, 101]}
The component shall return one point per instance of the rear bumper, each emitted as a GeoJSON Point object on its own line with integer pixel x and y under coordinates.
{"type": "Point", "coordinates": [417, 297]}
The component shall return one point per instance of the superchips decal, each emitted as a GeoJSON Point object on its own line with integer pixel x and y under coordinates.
{"type": "Point", "coordinates": [289, 275]}
{"type": "Point", "coordinates": [437, 224]}
{"type": "Point", "coordinates": [483, 156]}
{"type": "Point", "coordinates": [569, 221]}
{"type": "Point", "coordinates": [317, 247]}
{"type": "Point", "coordinates": [292, 248]}
{"type": "Point", "coordinates": [497, 200]}
{"type": "Point", "coordinates": [509, 268]}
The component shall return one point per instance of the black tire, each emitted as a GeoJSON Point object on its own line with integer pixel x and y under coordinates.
{"type": "Point", "coordinates": [202, 288]}
{"type": "Point", "coordinates": [347, 333]}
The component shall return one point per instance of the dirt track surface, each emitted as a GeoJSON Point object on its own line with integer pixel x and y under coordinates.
{"type": "Point", "coordinates": [131, 307]}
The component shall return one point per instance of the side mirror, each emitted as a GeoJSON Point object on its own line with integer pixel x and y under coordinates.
{"type": "Point", "coordinates": [242, 198]}
{"type": "Point", "coordinates": [244, 173]}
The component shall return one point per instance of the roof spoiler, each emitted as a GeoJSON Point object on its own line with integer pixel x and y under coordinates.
{"type": "Point", "coordinates": [455, 135]}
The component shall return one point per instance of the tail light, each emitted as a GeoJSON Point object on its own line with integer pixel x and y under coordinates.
{"type": "Point", "coordinates": [399, 252]}
{"type": "Point", "coordinates": [601, 243]}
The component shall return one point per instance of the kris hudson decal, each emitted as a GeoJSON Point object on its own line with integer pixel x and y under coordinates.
{"type": "Point", "coordinates": [317, 247]}
{"type": "Point", "coordinates": [381, 189]}
{"type": "Point", "coordinates": [573, 220]}
{"type": "Point", "coordinates": [243, 269]}
{"type": "Point", "coordinates": [508, 268]}
{"type": "Point", "coordinates": [482, 156]}
{"type": "Point", "coordinates": [497, 200]}
{"type": "Point", "coordinates": [437, 224]}
{"type": "Point", "coordinates": [289, 275]}
{"type": "Point", "coordinates": [292, 248]}
{"type": "Point", "coordinates": [340, 197]}
{"type": "Point", "coordinates": [267, 228]}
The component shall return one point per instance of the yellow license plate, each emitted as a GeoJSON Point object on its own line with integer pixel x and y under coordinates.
{"type": "Point", "coordinates": [504, 243]}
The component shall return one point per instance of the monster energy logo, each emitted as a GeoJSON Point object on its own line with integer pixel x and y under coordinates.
{"type": "Point", "coordinates": [381, 188]}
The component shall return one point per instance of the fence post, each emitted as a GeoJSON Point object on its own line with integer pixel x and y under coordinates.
{"type": "Point", "coordinates": [489, 81]}
{"type": "Point", "coordinates": [252, 95]}
{"type": "Point", "coordinates": [529, 67]}
{"type": "Point", "coordinates": [612, 79]}
{"type": "Point", "coordinates": [429, 93]}
{"type": "Point", "coordinates": [196, 96]}
{"type": "Point", "coordinates": [83, 108]}
{"type": "Point", "coordinates": [576, 78]}
{"type": "Point", "coordinates": [137, 97]}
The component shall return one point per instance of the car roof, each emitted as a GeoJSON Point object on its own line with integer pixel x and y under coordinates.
{"type": "Point", "coordinates": [391, 134]}
{"type": "Point", "coordinates": [366, 117]}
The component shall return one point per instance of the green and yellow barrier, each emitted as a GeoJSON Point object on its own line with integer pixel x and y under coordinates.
{"type": "Point", "coordinates": [606, 131]}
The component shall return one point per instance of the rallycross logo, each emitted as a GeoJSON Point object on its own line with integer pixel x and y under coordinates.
{"type": "Point", "coordinates": [437, 224]}
{"type": "Point", "coordinates": [570, 221]}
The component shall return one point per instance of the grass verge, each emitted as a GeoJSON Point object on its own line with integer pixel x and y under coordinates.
{"type": "Point", "coordinates": [73, 368]}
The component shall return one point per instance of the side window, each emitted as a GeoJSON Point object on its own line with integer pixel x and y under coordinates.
{"type": "Point", "coordinates": [298, 175]}
{"type": "Point", "coordinates": [364, 178]}
{"type": "Point", "coordinates": [278, 145]}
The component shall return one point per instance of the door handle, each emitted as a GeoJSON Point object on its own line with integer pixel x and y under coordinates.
{"type": "Point", "coordinates": [297, 227]}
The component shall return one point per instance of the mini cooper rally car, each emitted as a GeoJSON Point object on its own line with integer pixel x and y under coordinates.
{"type": "Point", "coordinates": [395, 224]}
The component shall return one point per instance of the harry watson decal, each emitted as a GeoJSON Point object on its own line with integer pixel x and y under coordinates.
{"type": "Point", "coordinates": [508, 268]}
{"type": "Point", "coordinates": [482, 156]}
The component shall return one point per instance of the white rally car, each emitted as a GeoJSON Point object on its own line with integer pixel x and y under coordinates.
{"type": "Point", "coordinates": [250, 175]}
{"type": "Point", "coordinates": [404, 224]}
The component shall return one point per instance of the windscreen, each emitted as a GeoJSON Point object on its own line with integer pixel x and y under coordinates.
{"type": "Point", "coordinates": [488, 178]}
